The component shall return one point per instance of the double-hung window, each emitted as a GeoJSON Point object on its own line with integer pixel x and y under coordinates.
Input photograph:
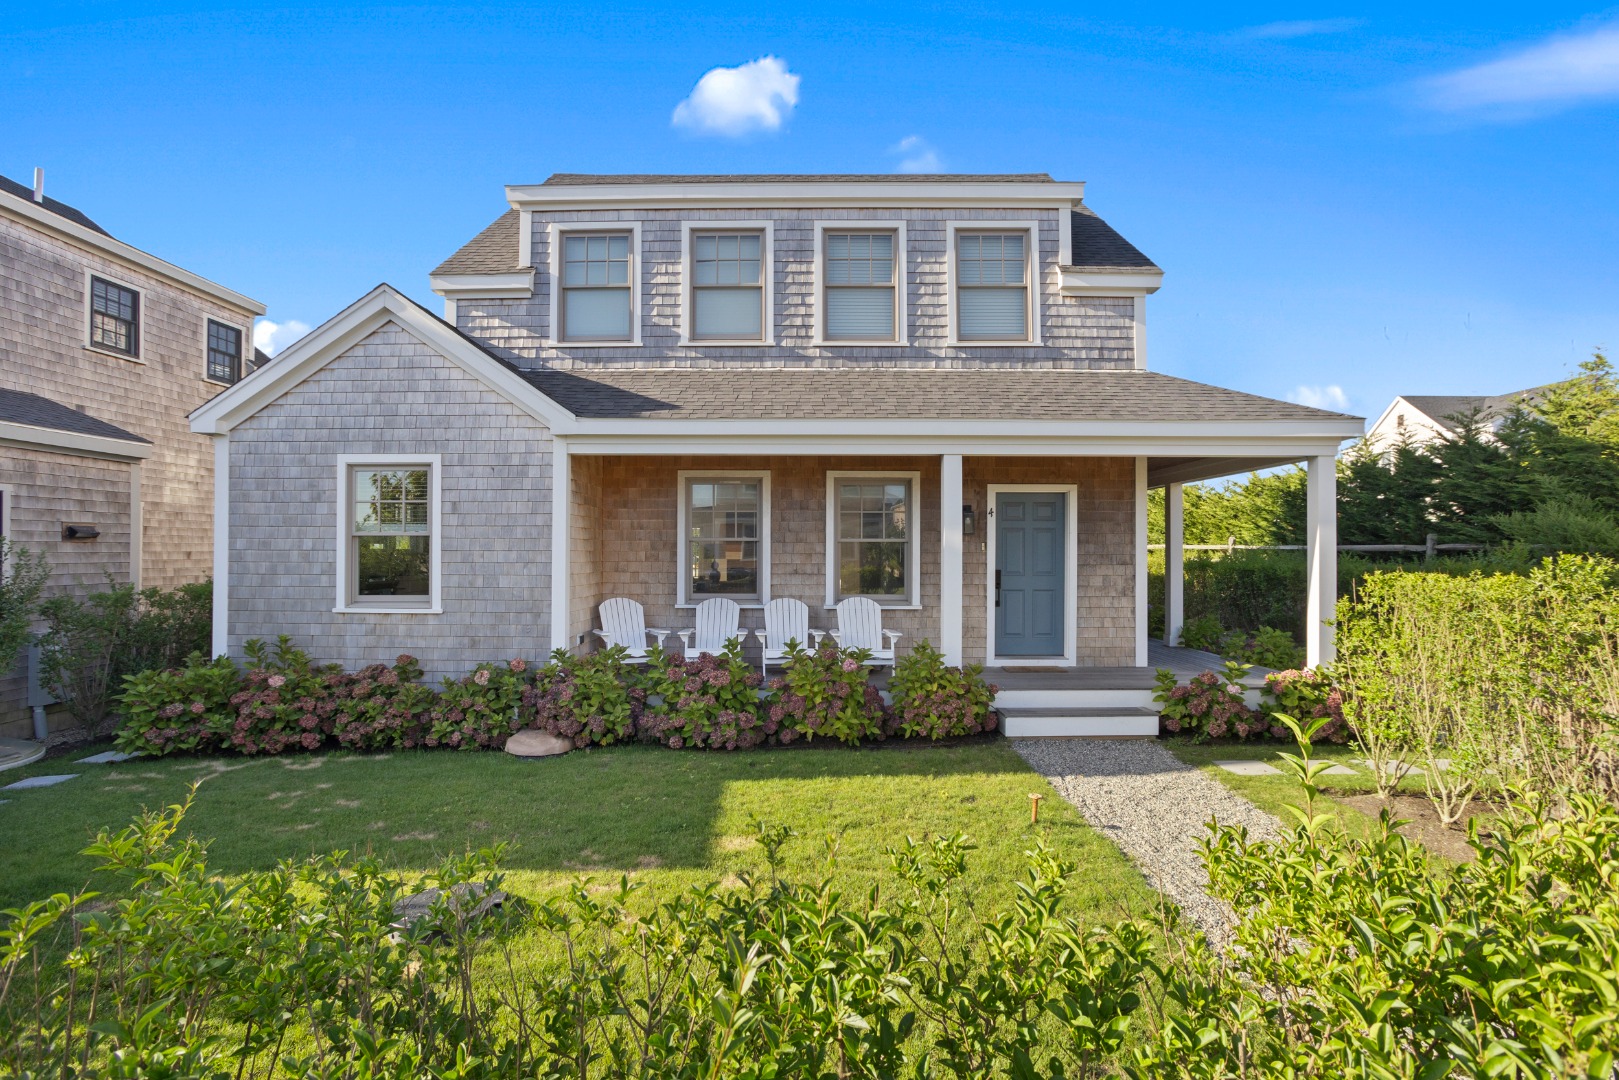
{"type": "Point", "coordinates": [860, 287]}
{"type": "Point", "coordinates": [115, 317]}
{"type": "Point", "coordinates": [389, 521]}
{"type": "Point", "coordinates": [224, 352]}
{"type": "Point", "coordinates": [992, 287]}
{"type": "Point", "coordinates": [725, 541]}
{"type": "Point", "coordinates": [872, 537]}
{"type": "Point", "coordinates": [597, 296]}
{"type": "Point", "coordinates": [727, 292]}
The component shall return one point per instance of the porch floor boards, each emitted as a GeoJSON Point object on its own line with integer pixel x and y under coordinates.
{"type": "Point", "coordinates": [1185, 663]}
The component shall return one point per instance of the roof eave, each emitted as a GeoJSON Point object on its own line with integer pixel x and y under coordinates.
{"type": "Point", "coordinates": [1077, 281]}
{"type": "Point", "coordinates": [801, 193]}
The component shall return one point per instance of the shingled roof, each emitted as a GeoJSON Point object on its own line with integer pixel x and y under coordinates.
{"type": "Point", "coordinates": [903, 394]}
{"type": "Point", "coordinates": [55, 206]}
{"type": "Point", "coordinates": [1441, 407]}
{"type": "Point", "coordinates": [1098, 245]}
{"type": "Point", "coordinates": [31, 410]}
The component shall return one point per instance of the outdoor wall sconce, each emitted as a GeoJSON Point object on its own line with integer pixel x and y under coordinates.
{"type": "Point", "coordinates": [969, 520]}
{"type": "Point", "coordinates": [80, 532]}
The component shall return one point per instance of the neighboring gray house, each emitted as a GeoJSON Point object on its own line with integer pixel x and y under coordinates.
{"type": "Point", "coordinates": [929, 390]}
{"type": "Point", "coordinates": [104, 349]}
{"type": "Point", "coordinates": [1424, 419]}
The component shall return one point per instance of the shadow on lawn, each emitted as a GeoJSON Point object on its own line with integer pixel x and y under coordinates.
{"type": "Point", "coordinates": [624, 808]}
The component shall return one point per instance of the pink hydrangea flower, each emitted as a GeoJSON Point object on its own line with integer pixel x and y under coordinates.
{"type": "Point", "coordinates": [278, 680]}
{"type": "Point", "coordinates": [482, 677]}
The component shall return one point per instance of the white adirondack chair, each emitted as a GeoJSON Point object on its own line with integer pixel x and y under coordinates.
{"type": "Point", "coordinates": [624, 623]}
{"type": "Point", "coordinates": [860, 626]}
{"type": "Point", "coordinates": [717, 621]}
{"type": "Point", "coordinates": [786, 620]}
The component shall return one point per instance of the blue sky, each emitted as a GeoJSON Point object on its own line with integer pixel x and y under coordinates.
{"type": "Point", "coordinates": [1379, 199]}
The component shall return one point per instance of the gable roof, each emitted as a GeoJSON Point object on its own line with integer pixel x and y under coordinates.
{"type": "Point", "coordinates": [904, 394]}
{"type": "Point", "coordinates": [31, 410]}
{"type": "Point", "coordinates": [492, 251]}
{"type": "Point", "coordinates": [55, 206]}
{"type": "Point", "coordinates": [1440, 407]}
{"type": "Point", "coordinates": [1099, 247]}
{"type": "Point", "coordinates": [584, 179]}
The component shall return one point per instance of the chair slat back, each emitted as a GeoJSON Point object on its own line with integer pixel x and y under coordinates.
{"type": "Point", "coordinates": [786, 620]}
{"type": "Point", "coordinates": [624, 622]}
{"type": "Point", "coordinates": [860, 623]}
{"type": "Point", "coordinates": [717, 621]}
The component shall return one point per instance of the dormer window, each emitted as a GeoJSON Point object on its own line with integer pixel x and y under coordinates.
{"type": "Point", "coordinates": [860, 287]}
{"type": "Point", "coordinates": [992, 302]}
{"type": "Point", "coordinates": [596, 292]}
{"type": "Point", "coordinates": [727, 286]}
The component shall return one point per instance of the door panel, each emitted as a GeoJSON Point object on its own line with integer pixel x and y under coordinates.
{"type": "Point", "coordinates": [1031, 565]}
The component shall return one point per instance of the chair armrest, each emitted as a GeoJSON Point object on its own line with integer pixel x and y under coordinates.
{"type": "Point", "coordinates": [892, 637]}
{"type": "Point", "coordinates": [657, 635]}
{"type": "Point", "coordinates": [685, 637]}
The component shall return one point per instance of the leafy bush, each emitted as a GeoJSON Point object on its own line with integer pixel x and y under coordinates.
{"type": "Point", "coordinates": [935, 700]}
{"type": "Point", "coordinates": [826, 692]}
{"type": "Point", "coordinates": [1360, 958]}
{"type": "Point", "coordinates": [23, 574]}
{"type": "Point", "coordinates": [1212, 704]}
{"type": "Point", "coordinates": [589, 699]}
{"type": "Point", "coordinates": [1306, 694]}
{"type": "Point", "coordinates": [285, 701]}
{"type": "Point", "coordinates": [711, 701]}
{"type": "Point", "coordinates": [92, 643]}
{"type": "Point", "coordinates": [182, 709]}
{"type": "Point", "coordinates": [380, 707]}
{"type": "Point", "coordinates": [1203, 633]}
{"type": "Point", "coordinates": [481, 710]}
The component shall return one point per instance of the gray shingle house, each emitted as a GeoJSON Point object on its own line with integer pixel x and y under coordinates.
{"type": "Point", "coordinates": [928, 390]}
{"type": "Point", "coordinates": [104, 350]}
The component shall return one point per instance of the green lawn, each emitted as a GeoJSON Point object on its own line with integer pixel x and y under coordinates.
{"type": "Point", "coordinates": [670, 818]}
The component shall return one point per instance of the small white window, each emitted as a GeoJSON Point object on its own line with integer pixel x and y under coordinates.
{"type": "Point", "coordinates": [725, 537]}
{"type": "Point", "coordinates": [727, 286]}
{"type": "Point", "coordinates": [860, 287]}
{"type": "Point", "coordinates": [872, 532]}
{"type": "Point", "coordinates": [597, 298]}
{"type": "Point", "coordinates": [388, 529]}
{"type": "Point", "coordinates": [992, 287]}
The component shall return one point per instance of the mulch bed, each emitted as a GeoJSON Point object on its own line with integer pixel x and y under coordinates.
{"type": "Point", "coordinates": [1422, 823]}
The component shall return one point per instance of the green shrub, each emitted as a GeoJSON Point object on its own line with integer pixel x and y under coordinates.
{"type": "Point", "coordinates": [1203, 632]}
{"type": "Point", "coordinates": [707, 701]}
{"type": "Point", "coordinates": [935, 700]}
{"type": "Point", "coordinates": [23, 574]}
{"type": "Point", "coordinates": [595, 699]}
{"type": "Point", "coordinates": [481, 710]}
{"type": "Point", "coordinates": [379, 707]}
{"type": "Point", "coordinates": [184, 709]}
{"type": "Point", "coordinates": [827, 693]}
{"type": "Point", "coordinates": [1211, 704]}
{"type": "Point", "coordinates": [1307, 695]}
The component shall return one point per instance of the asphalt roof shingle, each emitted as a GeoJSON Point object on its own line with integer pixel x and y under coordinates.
{"type": "Point", "coordinates": [55, 206]}
{"type": "Point", "coordinates": [898, 393]}
{"type": "Point", "coordinates": [493, 251]}
{"type": "Point", "coordinates": [1490, 407]}
{"type": "Point", "coordinates": [18, 407]}
{"type": "Point", "coordinates": [1098, 245]}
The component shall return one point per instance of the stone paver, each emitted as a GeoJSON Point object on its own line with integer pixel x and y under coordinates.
{"type": "Point", "coordinates": [1245, 767]}
{"type": "Point", "coordinates": [38, 782]}
{"type": "Point", "coordinates": [106, 757]}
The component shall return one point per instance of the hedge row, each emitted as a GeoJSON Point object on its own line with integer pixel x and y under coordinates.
{"type": "Point", "coordinates": [281, 701]}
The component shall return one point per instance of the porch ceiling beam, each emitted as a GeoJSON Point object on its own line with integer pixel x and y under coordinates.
{"type": "Point", "coordinates": [1189, 472]}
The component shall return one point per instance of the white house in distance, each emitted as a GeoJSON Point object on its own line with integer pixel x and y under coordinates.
{"type": "Point", "coordinates": [1421, 420]}
{"type": "Point", "coordinates": [932, 391]}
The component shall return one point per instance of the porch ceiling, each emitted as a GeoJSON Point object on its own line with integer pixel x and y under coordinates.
{"type": "Point", "coordinates": [1186, 470]}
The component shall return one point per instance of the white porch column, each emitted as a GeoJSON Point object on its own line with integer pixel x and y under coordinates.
{"type": "Point", "coordinates": [561, 534]}
{"type": "Point", "coordinates": [221, 644]}
{"type": "Point", "coordinates": [950, 557]}
{"type": "Point", "coordinates": [1141, 562]}
{"type": "Point", "coordinates": [1174, 563]}
{"type": "Point", "coordinates": [1322, 543]}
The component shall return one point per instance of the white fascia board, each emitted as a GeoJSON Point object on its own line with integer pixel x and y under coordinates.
{"type": "Point", "coordinates": [1396, 403]}
{"type": "Point", "coordinates": [513, 284]}
{"type": "Point", "coordinates": [1285, 449]}
{"type": "Point", "coordinates": [72, 442]}
{"type": "Point", "coordinates": [1055, 194]}
{"type": "Point", "coordinates": [1110, 283]}
{"type": "Point", "coordinates": [72, 230]}
{"type": "Point", "coordinates": [332, 338]}
{"type": "Point", "coordinates": [1247, 431]}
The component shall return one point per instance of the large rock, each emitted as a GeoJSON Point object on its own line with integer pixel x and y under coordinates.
{"type": "Point", "coordinates": [537, 744]}
{"type": "Point", "coordinates": [468, 901]}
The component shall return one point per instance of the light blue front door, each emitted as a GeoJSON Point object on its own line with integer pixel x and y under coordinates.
{"type": "Point", "coordinates": [1030, 566]}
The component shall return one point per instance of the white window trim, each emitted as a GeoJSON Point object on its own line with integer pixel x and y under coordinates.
{"type": "Point", "coordinates": [140, 316]}
{"type": "Point", "coordinates": [682, 565]}
{"type": "Point", "coordinates": [1036, 308]}
{"type": "Point", "coordinates": [913, 554]}
{"type": "Point", "coordinates": [435, 559]}
{"type": "Point", "coordinates": [1070, 587]}
{"type": "Point", "coordinates": [559, 230]}
{"type": "Point", "coordinates": [241, 361]}
{"type": "Point", "coordinates": [767, 282]}
{"type": "Point", "coordinates": [902, 284]}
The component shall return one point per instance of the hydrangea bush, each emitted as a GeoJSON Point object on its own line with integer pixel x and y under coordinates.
{"type": "Point", "coordinates": [380, 707]}
{"type": "Point", "coordinates": [1307, 694]}
{"type": "Point", "coordinates": [826, 693]}
{"type": "Point", "coordinates": [596, 699]}
{"type": "Point", "coordinates": [179, 709]}
{"type": "Point", "coordinates": [1211, 705]}
{"type": "Point", "coordinates": [935, 700]}
{"type": "Point", "coordinates": [286, 701]}
{"type": "Point", "coordinates": [711, 701]}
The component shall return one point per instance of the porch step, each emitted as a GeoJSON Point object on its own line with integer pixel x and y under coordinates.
{"type": "Point", "coordinates": [1095, 723]}
{"type": "Point", "coordinates": [1072, 697]}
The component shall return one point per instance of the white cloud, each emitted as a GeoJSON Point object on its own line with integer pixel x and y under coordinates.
{"type": "Point", "coordinates": [756, 96]}
{"type": "Point", "coordinates": [1321, 397]}
{"type": "Point", "coordinates": [1561, 70]}
{"type": "Point", "coordinates": [273, 336]}
{"type": "Point", "coordinates": [916, 155]}
{"type": "Point", "coordinates": [1297, 28]}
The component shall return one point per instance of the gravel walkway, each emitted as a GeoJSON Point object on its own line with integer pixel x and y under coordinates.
{"type": "Point", "coordinates": [1154, 806]}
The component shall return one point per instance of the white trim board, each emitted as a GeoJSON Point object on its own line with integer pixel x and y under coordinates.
{"type": "Point", "coordinates": [71, 442]}
{"type": "Point", "coordinates": [1070, 578]}
{"type": "Point", "coordinates": [117, 249]}
{"type": "Point", "coordinates": [516, 284]}
{"type": "Point", "coordinates": [913, 546]}
{"type": "Point", "coordinates": [435, 557]}
{"type": "Point", "coordinates": [682, 533]}
{"type": "Point", "coordinates": [1041, 194]}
